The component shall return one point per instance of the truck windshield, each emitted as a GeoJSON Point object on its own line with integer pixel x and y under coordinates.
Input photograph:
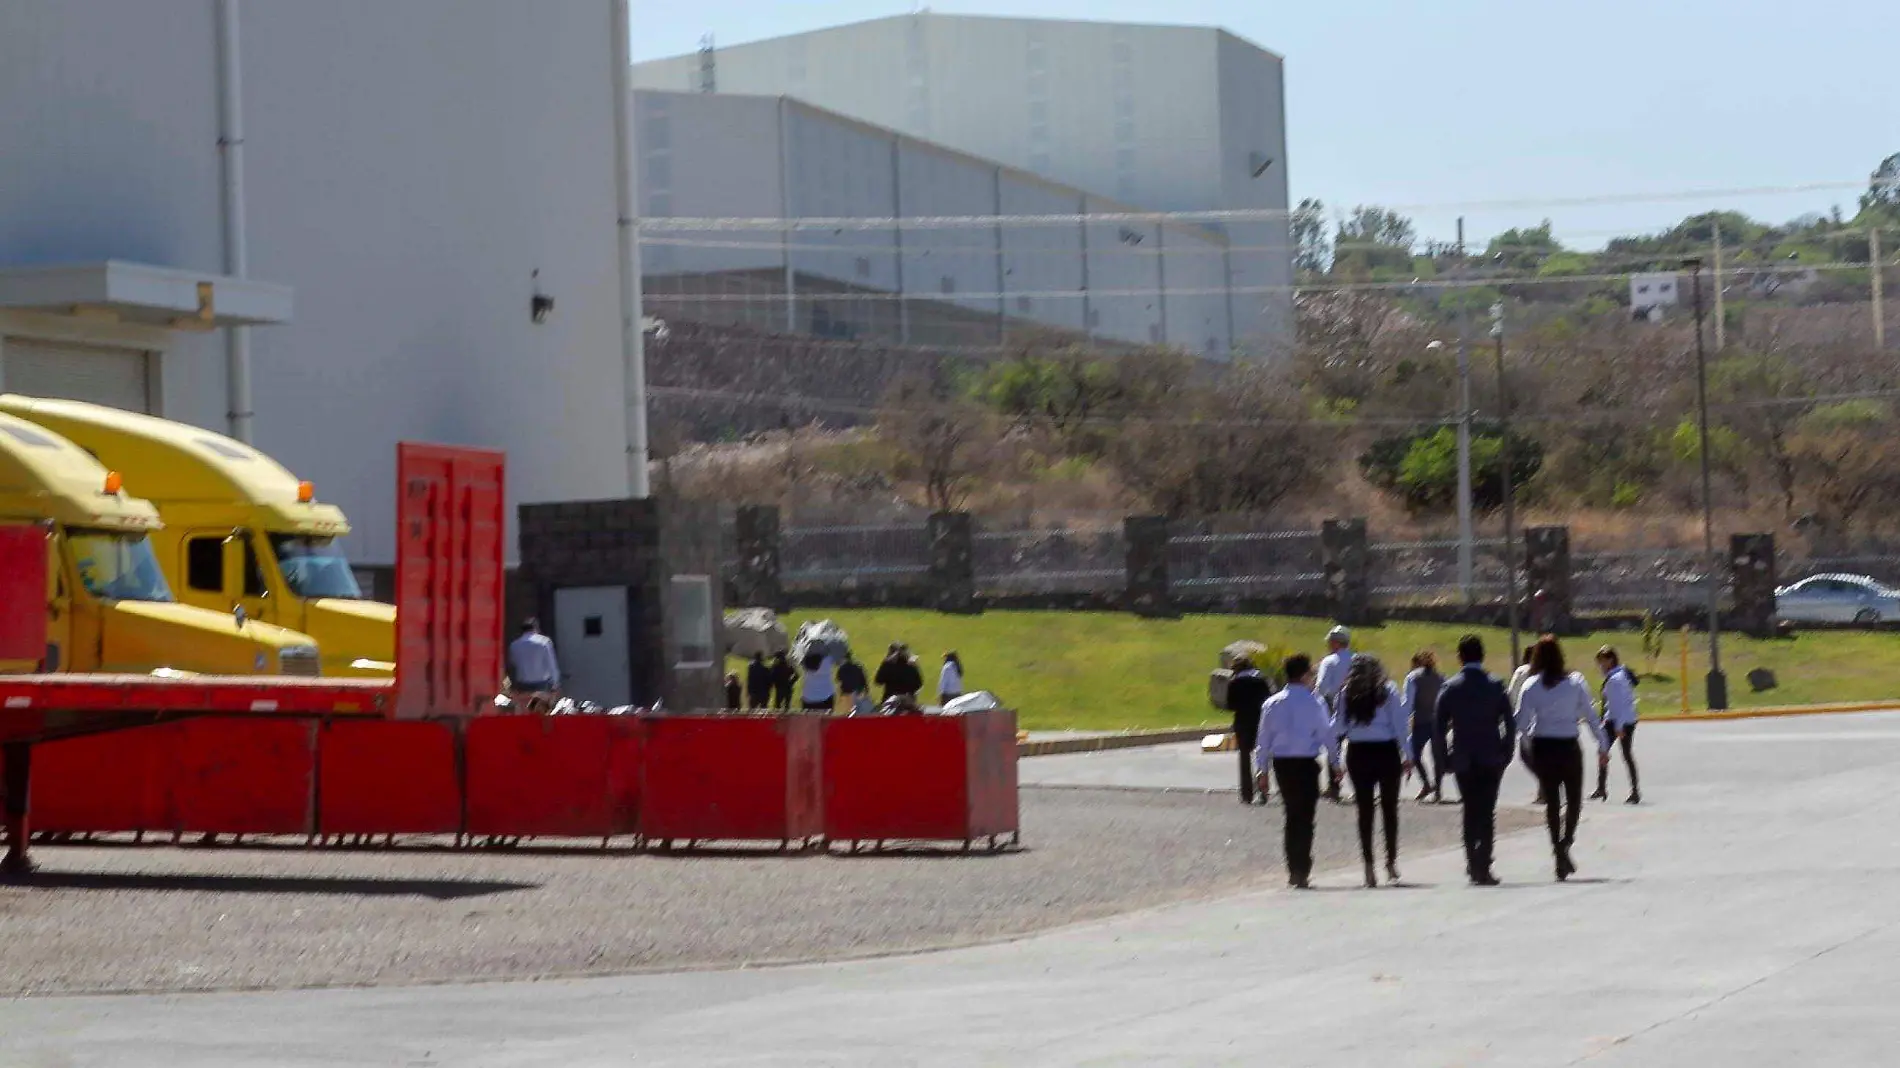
{"type": "Point", "coordinates": [315, 568]}
{"type": "Point", "coordinates": [120, 567]}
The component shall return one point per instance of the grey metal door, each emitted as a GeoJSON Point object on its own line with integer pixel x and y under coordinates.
{"type": "Point", "coordinates": [590, 633]}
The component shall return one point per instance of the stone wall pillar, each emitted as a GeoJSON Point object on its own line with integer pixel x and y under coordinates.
{"type": "Point", "coordinates": [1147, 566]}
{"type": "Point", "coordinates": [1547, 570]}
{"type": "Point", "coordinates": [1344, 558]}
{"type": "Point", "coordinates": [952, 538]}
{"type": "Point", "coordinates": [1752, 558]}
{"type": "Point", "coordinates": [757, 585]}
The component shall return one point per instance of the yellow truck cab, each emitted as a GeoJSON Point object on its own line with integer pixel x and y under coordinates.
{"type": "Point", "coordinates": [240, 530]}
{"type": "Point", "coordinates": [108, 606]}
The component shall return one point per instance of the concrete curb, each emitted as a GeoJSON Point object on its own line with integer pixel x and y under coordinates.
{"type": "Point", "coordinates": [1772, 712]}
{"type": "Point", "coordinates": [1104, 743]}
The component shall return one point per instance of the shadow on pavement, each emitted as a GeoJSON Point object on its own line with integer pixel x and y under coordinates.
{"type": "Point", "coordinates": [346, 886]}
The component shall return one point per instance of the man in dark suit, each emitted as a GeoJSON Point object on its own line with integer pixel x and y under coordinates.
{"type": "Point", "coordinates": [1246, 692]}
{"type": "Point", "coordinates": [1474, 715]}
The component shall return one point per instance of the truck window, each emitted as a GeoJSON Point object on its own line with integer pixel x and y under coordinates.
{"type": "Point", "coordinates": [116, 566]}
{"type": "Point", "coordinates": [314, 567]}
{"type": "Point", "coordinates": [204, 564]}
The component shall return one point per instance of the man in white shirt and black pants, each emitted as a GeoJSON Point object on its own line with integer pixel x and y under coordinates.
{"type": "Point", "coordinates": [532, 666]}
{"type": "Point", "coordinates": [1332, 680]}
{"type": "Point", "coordinates": [1295, 728]}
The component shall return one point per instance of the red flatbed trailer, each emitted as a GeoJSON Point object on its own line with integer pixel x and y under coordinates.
{"type": "Point", "coordinates": [449, 560]}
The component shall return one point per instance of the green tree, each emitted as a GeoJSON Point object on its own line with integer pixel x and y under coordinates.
{"type": "Point", "coordinates": [1374, 239]}
{"type": "Point", "coordinates": [1883, 189]}
{"type": "Point", "coordinates": [1312, 248]}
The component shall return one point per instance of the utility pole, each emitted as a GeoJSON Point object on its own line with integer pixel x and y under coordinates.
{"type": "Point", "coordinates": [1718, 682]}
{"type": "Point", "coordinates": [1465, 538]}
{"type": "Point", "coordinates": [1880, 317]}
{"type": "Point", "coordinates": [1510, 505]}
{"type": "Point", "coordinates": [1721, 318]}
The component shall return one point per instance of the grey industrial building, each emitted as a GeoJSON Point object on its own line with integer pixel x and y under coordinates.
{"type": "Point", "coordinates": [1170, 118]}
{"type": "Point", "coordinates": [704, 156]}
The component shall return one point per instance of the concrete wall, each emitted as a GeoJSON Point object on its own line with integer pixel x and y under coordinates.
{"type": "Point", "coordinates": [409, 166]}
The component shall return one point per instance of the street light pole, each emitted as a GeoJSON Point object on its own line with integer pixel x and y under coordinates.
{"type": "Point", "coordinates": [1466, 539]}
{"type": "Point", "coordinates": [1717, 681]}
{"type": "Point", "coordinates": [1510, 504]}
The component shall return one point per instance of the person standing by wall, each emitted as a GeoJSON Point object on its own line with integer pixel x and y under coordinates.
{"type": "Point", "coordinates": [1378, 754]}
{"type": "Point", "coordinates": [1420, 701]}
{"type": "Point", "coordinates": [1554, 703]}
{"type": "Point", "coordinates": [784, 677]}
{"type": "Point", "coordinates": [1295, 729]}
{"type": "Point", "coordinates": [854, 685]}
{"type": "Point", "coordinates": [1332, 679]}
{"type": "Point", "coordinates": [1619, 720]}
{"type": "Point", "coordinates": [758, 683]}
{"type": "Point", "coordinates": [950, 679]}
{"type": "Point", "coordinates": [1247, 694]}
{"type": "Point", "coordinates": [1478, 728]}
{"type": "Point", "coordinates": [533, 669]}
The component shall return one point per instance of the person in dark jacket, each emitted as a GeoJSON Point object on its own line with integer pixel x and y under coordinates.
{"type": "Point", "coordinates": [1246, 692]}
{"type": "Point", "coordinates": [734, 692]}
{"type": "Point", "coordinates": [899, 675]}
{"type": "Point", "coordinates": [1480, 734]}
{"type": "Point", "coordinates": [853, 683]}
{"type": "Point", "coordinates": [758, 683]}
{"type": "Point", "coordinates": [1421, 706]}
{"type": "Point", "coordinates": [784, 678]}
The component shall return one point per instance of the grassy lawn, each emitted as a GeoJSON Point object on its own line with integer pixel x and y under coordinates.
{"type": "Point", "coordinates": [1104, 671]}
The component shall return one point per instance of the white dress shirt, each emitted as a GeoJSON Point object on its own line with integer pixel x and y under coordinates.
{"type": "Point", "coordinates": [817, 683]}
{"type": "Point", "coordinates": [1294, 725]}
{"type": "Point", "coordinates": [950, 680]}
{"type": "Point", "coordinates": [1332, 676]}
{"type": "Point", "coordinates": [1518, 678]}
{"type": "Point", "coordinates": [1387, 723]}
{"type": "Point", "coordinates": [1555, 711]}
{"type": "Point", "coordinates": [1619, 698]}
{"type": "Point", "coordinates": [531, 657]}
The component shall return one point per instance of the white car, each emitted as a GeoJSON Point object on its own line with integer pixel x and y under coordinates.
{"type": "Point", "coordinates": [1837, 599]}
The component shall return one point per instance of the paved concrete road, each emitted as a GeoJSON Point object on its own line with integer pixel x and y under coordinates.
{"type": "Point", "coordinates": [1750, 916]}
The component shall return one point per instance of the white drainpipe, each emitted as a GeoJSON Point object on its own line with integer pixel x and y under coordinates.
{"type": "Point", "coordinates": [237, 339]}
{"type": "Point", "coordinates": [632, 335]}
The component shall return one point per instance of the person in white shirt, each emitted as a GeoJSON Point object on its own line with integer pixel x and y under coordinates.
{"type": "Point", "coordinates": [1619, 720]}
{"type": "Point", "coordinates": [1554, 704]}
{"type": "Point", "coordinates": [532, 666]}
{"type": "Point", "coordinates": [817, 691]}
{"type": "Point", "coordinates": [1519, 676]}
{"type": "Point", "coordinates": [950, 679]}
{"type": "Point", "coordinates": [1295, 728]}
{"type": "Point", "coordinates": [1332, 679]}
{"type": "Point", "coordinates": [1371, 717]}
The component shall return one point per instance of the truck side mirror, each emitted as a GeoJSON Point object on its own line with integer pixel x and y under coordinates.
{"type": "Point", "coordinates": [233, 565]}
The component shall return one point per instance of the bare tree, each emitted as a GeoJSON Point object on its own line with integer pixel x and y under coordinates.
{"type": "Point", "coordinates": [940, 439]}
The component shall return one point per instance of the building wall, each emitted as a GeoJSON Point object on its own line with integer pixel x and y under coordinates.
{"type": "Point", "coordinates": [1252, 93]}
{"type": "Point", "coordinates": [409, 167]}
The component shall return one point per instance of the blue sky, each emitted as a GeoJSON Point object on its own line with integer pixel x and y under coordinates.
{"type": "Point", "coordinates": [1431, 103]}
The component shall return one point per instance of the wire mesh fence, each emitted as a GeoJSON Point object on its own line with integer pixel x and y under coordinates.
{"type": "Point", "coordinates": [1246, 564]}
{"type": "Point", "coordinates": [818, 558]}
{"type": "Point", "coordinates": [1068, 561]}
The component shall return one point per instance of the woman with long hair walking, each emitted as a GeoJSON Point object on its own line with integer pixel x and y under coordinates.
{"type": "Point", "coordinates": [1554, 703]}
{"type": "Point", "coordinates": [1619, 721]}
{"type": "Point", "coordinates": [1420, 702]}
{"type": "Point", "coordinates": [1378, 754]}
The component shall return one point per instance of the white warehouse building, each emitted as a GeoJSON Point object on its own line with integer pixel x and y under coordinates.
{"type": "Point", "coordinates": [415, 173]}
{"type": "Point", "coordinates": [952, 281]}
{"type": "Point", "coordinates": [1171, 118]}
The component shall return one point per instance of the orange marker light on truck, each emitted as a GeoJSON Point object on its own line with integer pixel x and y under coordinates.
{"type": "Point", "coordinates": [114, 482]}
{"type": "Point", "coordinates": [306, 492]}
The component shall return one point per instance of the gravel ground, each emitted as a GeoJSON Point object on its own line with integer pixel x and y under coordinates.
{"type": "Point", "coordinates": [147, 919]}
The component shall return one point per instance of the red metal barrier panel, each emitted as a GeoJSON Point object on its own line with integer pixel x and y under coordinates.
{"type": "Point", "coordinates": [244, 776]}
{"type": "Point", "coordinates": [550, 776]}
{"type": "Point", "coordinates": [388, 777]}
{"type": "Point", "coordinates": [948, 778]}
{"type": "Point", "coordinates": [450, 518]}
{"type": "Point", "coordinates": [734, 778]}
{"type": "Point", "coordinates": [104, 783]}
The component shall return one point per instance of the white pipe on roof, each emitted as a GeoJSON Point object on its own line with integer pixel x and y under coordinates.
{"type": "Point", "coordinates": [237, 339]}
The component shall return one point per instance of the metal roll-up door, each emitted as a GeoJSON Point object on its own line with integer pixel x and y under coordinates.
{"type": "Point", "coordinates": [120, 378]}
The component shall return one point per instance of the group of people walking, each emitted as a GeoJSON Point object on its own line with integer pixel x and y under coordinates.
{"type": "Point", "coordinates": [1470, 724]}
{"type": "Point", "coordinates": [826, 680]}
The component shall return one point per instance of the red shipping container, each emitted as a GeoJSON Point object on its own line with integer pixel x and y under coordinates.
{"type": "Point", "coordinates": [103, 783]}
{"type": "Point", "coordinates": [388, 777]}
{"type": "Point", "coordinates": [733, 778]}
{"type": "Point", "coordinates": [928, 778]}
{"type": "Point", "coordinates": [244, 776]}
{"type": "Point", "coordinates": [553, 776]}
{"type": "Point", "coordinates": [451, 510]}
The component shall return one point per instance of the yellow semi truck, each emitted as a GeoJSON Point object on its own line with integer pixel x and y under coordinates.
{"type": "Point", "coordinates": [240, 530]}
{"type": "Point", "coordinates": [108, 605]}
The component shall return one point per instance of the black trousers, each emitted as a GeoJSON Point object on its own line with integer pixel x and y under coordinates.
{"type": "Point", "coordinates": [1376, 767]}
{"type": "Point", "coordinates": [1625, 738]}
{"type": "Point", "coordinates": [1299, 792]}
{"type": "Point", "coordinates": [1558, 763]}
{"type": "Point", "coordinates": [1479, 789]}
{"type": "Point", "coordinates": [1245, 742]}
